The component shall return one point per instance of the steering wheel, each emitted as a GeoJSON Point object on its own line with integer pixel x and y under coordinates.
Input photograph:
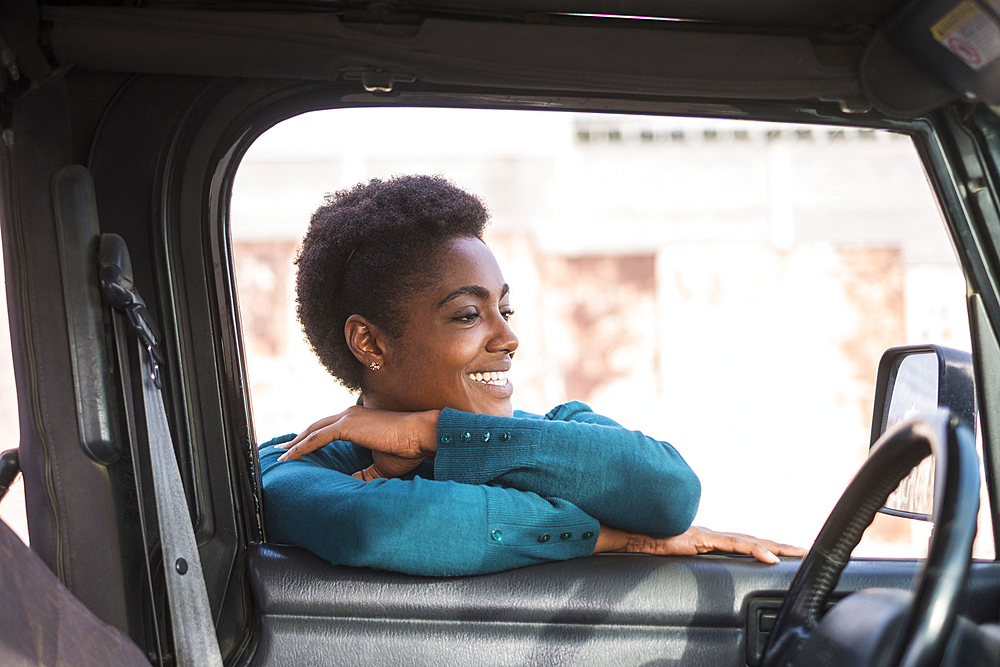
{"type": "Point", "coordinates": [878, 626]}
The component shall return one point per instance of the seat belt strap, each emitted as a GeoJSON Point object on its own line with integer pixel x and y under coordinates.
{"type": "Point", "coordinates": [125, 375]}
{"type": "Point", "coordinates": [195, 641]}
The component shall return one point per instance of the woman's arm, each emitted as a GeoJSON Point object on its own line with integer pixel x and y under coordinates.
{"type": "Point", "coordinates": [417, 526]}
{"type": "Point", "coordinates": [622, 478]}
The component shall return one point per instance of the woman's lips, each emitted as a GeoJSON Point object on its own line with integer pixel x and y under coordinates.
{"type": "Point", "coordinates": [494, 382]}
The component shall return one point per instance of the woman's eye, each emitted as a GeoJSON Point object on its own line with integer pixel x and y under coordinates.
{"type": "Point", "coordinates": [507, 314]}
{"type": "Point", "coordinates": [467, 317]}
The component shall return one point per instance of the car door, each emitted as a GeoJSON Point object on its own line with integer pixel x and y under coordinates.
{"type": "Point", "coordinates": [161, 103]}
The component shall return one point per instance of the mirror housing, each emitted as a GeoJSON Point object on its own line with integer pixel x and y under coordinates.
{"type": "Point", "coordinates": [914, 379]}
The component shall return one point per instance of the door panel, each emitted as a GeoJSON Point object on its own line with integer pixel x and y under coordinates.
{"type": "Point", "coordinates": [621, 609]}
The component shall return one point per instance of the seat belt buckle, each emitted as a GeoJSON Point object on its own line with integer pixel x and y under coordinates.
{"type": "Point", "coordinates": [145, 329]}
{"type": "Point", "coordinates": [118, 288]}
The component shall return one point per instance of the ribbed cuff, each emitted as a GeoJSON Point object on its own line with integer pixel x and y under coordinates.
{"type": "Point", "coordinates": [511, 541]}
{"type": "Point", "coordinates": [476, 449]}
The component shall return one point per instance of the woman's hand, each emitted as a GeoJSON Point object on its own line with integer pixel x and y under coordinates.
{"type": "Point", "coordinates": [387, 466]}
{"type": "Point", "coordinates": [399, 440]}
{"type": "Point", "coordinates": [693, 541]}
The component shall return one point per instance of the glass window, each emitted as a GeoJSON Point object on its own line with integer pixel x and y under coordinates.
{"type": "Point", "coordinates": [727, 286]}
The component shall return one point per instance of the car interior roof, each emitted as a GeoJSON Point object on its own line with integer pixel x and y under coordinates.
{"type": "Point", "coordinates": [465, 53]}
{"type": "Point", "coordinates": [806, 55]}
{"type": "Point", "coordinates": [766, 14]}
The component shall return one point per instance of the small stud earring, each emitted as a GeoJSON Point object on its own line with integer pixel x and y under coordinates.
{"type": "Point", "coordinates": [374, 365]}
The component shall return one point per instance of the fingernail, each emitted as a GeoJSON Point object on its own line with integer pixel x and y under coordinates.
{"type": "Point", "coordinates": [282, 457]}
{"type": "Point", "coordinates": [774, 559]}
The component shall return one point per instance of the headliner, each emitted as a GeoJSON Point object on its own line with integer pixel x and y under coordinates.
{"type": "Point", "coordinates": [782, 15]}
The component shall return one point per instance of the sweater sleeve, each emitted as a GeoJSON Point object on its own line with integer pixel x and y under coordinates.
{"type": "Point", "coordinates": [417, 525]}
{"type": "Point", "coordinates": [621, 478]}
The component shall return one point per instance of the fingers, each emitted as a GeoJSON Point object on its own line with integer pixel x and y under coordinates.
{"type": "Point", "coordinates": [762, 553]}
{"type": "Point", "coordinates": [775, 547]}
{"type": "Point", "coordinates": [308, 442]}
{"type": "Point", "coordinates": [740, 544]}
{"type": "Point", "coordinates": [368, 474]}
{"type": "Point", "coordinates": [309, 430]}
{"type": "Point", "coordinates": [787, 550]}
{"type": "Point", "coordinates": [316, 435]}
{"type": "Point", "coordinates": [766, 551]}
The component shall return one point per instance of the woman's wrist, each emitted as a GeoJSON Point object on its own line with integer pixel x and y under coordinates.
{"type": "Point", "coordinates": [610, 540]}
{"type": "Point", "coordinates": [428, 432]}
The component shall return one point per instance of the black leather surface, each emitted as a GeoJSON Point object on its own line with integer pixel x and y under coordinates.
{"type": "Point", "coordinates": [290, 641]}
{"type": "Point", "coordinates": [70, 500]}
{"type": "Point", "coordinates": [610, 609]}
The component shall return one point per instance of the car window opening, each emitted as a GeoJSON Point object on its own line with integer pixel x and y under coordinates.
{"type": "Point", "coordinates": [726, 286]}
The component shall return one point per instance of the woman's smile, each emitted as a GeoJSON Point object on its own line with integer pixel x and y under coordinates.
{"type": "Point", "coordinates": [494, 382]}
{"type": "Point", "coordinates": [494, 378]}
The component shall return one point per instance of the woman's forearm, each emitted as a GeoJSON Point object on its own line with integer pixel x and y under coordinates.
{"type": "Point", "coordinates": [419, 526]}
{"type": "Point", "coordinates": [620, 477]}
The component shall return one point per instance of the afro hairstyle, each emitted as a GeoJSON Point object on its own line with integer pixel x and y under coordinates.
{"type": "Point", "coordinates": [367, 249]}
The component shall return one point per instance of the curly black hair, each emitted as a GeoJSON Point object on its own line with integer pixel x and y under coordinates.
{"type": "Point", "coordinates": [369, 248]}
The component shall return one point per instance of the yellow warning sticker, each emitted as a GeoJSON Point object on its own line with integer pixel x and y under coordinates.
{"type": "Point", "coordinates": [955, 19]}
{"type": "Point", "coordinates": [970, 34]}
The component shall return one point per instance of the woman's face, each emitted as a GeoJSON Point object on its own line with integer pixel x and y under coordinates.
{"type": "Point", "coordinates": [457, 346]}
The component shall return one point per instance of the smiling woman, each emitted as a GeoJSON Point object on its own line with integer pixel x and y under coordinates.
{"type": "Point", "coordinates": [468, 340]}
{"type": "Point", "coordinates": [434, 472]}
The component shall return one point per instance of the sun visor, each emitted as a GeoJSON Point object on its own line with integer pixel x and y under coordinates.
{"type": "Point", "coordinates": [897, 86]}
{"type": "Point", "coordinates": [955, 41]}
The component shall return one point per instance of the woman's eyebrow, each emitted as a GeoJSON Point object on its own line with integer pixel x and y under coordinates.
{"type": "Point", "coordinates": [477, 291]}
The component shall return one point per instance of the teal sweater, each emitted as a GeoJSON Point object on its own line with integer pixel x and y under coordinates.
{"type": "Point", "coordinates": [502, 492]}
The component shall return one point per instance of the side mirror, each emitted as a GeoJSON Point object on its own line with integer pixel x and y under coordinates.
{"type": "Point", "coordinates": [916, 379]}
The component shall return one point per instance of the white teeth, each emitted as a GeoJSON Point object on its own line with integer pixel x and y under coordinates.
{"type": "Point", "coordinates": [492, 377]}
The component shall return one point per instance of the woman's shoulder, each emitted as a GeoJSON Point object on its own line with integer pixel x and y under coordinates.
{"type": "Point", "coordinates": [571, 411]}
{"type": "Point", "coordinates": [566, 411]}
{"type": "Point", "coordinates": [562, 412]}
{"type": "Point", "coordinates": [277, 441]}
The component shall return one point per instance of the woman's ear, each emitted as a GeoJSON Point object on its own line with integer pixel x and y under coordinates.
{"type": "Point", "coordinates": [365, 340]}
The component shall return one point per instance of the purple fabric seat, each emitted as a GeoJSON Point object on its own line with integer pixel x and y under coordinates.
{"type": "Point", "coordinates": [42, 623]}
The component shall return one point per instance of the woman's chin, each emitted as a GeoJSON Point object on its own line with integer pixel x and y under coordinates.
{"type": "Point", "coordinates": [492, 399]}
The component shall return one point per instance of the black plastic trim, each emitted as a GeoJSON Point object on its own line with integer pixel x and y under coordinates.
{"type": "Point", "coordinates": [956, 383]}
{"type": "Point", "coordinates": [79, 236]}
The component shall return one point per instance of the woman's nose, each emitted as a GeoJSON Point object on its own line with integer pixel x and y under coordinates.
{"type": "Point", "coordinates": [504, 339]}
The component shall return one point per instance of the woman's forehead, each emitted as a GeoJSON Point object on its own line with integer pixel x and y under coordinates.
{"type": "Point", "coordinates": [467, 266]}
